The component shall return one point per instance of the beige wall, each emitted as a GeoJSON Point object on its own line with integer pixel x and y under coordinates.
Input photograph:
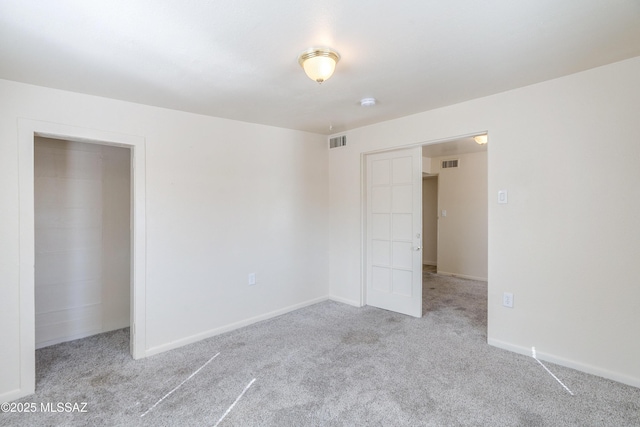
{"type": "Point", "coordinates": [226, 198]}
{"type": "Point", "coordinates": [223, 199]}
{"type": "Point", "coordinates": [566, 245]}
{"type": "Point", "coordinates": [462, 192]}
{"type": "Point", "coordinates": [82, 239]}
{"type": "Point", "coordinates": [430, 221]}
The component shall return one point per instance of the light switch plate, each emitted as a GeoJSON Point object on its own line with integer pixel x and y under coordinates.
{"type": "Point", "coordinates": [503, 197]}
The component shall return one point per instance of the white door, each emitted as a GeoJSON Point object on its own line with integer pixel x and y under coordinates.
{"type": "Point", "coordinates": [394, 231]}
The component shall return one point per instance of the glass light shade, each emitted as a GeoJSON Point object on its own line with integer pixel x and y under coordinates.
{"type": "Point", "coordinates": [481, 139]}
{"type": "Point", "coordinates": [319, 63]}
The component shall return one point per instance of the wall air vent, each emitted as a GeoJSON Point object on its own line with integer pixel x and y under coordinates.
{"type": "Point", "coordinates": [449, 164]}
{"type": "Point", "coordinates": [338, 141]}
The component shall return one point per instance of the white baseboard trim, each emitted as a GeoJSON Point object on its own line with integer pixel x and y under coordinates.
{"type": "Point", "coordinates": [583, 367]}
{"type": "Point", "coordinates": [345, 301]}
{"type": "Point", "coordinates": [462, 276]}
{"type": "Point", "coordinates": [73, 337]}
{"type": "Point", "coordinates": [14, 395]}
{"type": "Point", "coordinates": [230, 327]}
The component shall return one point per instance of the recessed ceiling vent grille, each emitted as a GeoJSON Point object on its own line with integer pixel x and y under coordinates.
{"type": "Point", "coordinates": [449, 164]}
{"type": "Point", "coordinates": [338, 141]}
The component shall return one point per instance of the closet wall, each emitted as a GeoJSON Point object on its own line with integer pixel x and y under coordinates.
{"type": "Point", "coordinates": [82, 239]}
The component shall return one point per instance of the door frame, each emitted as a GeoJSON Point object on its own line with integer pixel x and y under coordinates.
{"type": "Point", "coordinates": [363, 200]}
{"type": "Point", "coordinates": [27, 131]}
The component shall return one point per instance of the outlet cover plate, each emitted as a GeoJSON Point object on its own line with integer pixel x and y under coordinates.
{"type": "Point", "coordinates": [507, 299]}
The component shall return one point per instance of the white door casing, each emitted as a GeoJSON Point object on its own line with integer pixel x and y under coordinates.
{"type": "Point", "coordinates": [394, 231]}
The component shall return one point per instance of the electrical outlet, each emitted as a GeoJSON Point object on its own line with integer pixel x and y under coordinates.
{"type": "Point", "coordinates": [252, 279]}
{"type": "Point", "coordinates": [507, 299]}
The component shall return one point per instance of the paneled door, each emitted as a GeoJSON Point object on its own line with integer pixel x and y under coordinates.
{"type": "Point", "coordinates": [394, 231]}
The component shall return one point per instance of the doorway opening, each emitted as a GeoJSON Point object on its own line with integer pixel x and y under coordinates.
{"type": "Point", "coordinates": [429, 222]}
{"type": "Point", "coordinates": [82, 202]}
{"type": "Point", "coordinates": [459, 224]}
{"type": "Point", "coordinates": [28, 132]}
{"type": "Point", "coordinates": [456, 241]}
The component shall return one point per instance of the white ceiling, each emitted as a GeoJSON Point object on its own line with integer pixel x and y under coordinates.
{"type": "Point", "coordinates": [453, 148]}
{"type": "Point", "coordinates": [238, 59]}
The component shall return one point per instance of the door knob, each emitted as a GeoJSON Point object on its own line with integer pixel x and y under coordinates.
{"type": "Point", "coordinates": [416, 248]}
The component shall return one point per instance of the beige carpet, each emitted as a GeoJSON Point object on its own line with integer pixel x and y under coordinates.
{"type": "Point", "coordinates": [328, 365]}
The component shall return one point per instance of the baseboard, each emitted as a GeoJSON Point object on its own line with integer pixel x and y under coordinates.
{"type": "Point", "coordinates": [583, 367]}
{"type": "Point", "coordinates": [73, 337]}
{"type": "Point", "coordinates": [432, 263]}
{"type": "Point", "coordinates": [345, 301]}
{"type": "Point", "coordinates": [462, 276]}
{"type": "Point", "coordinates": [230, 327]}
{"type": "Point", "coordinates": [14, 395]}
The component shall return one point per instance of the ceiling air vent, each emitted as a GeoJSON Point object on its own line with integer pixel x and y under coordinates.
{"type": "Point", "coordinates": [449, 164]}
{"type": "Point", "coordinates": [338, 141]}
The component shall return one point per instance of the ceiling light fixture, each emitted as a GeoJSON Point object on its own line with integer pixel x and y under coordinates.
{"type": "Point", "coordinates": [481, 139]}
{"type": "Point", "coordinates": [319, 62]}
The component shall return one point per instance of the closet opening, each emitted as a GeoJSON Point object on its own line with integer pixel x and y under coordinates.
{"type": "Point", "coordinates": [82, 233]}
